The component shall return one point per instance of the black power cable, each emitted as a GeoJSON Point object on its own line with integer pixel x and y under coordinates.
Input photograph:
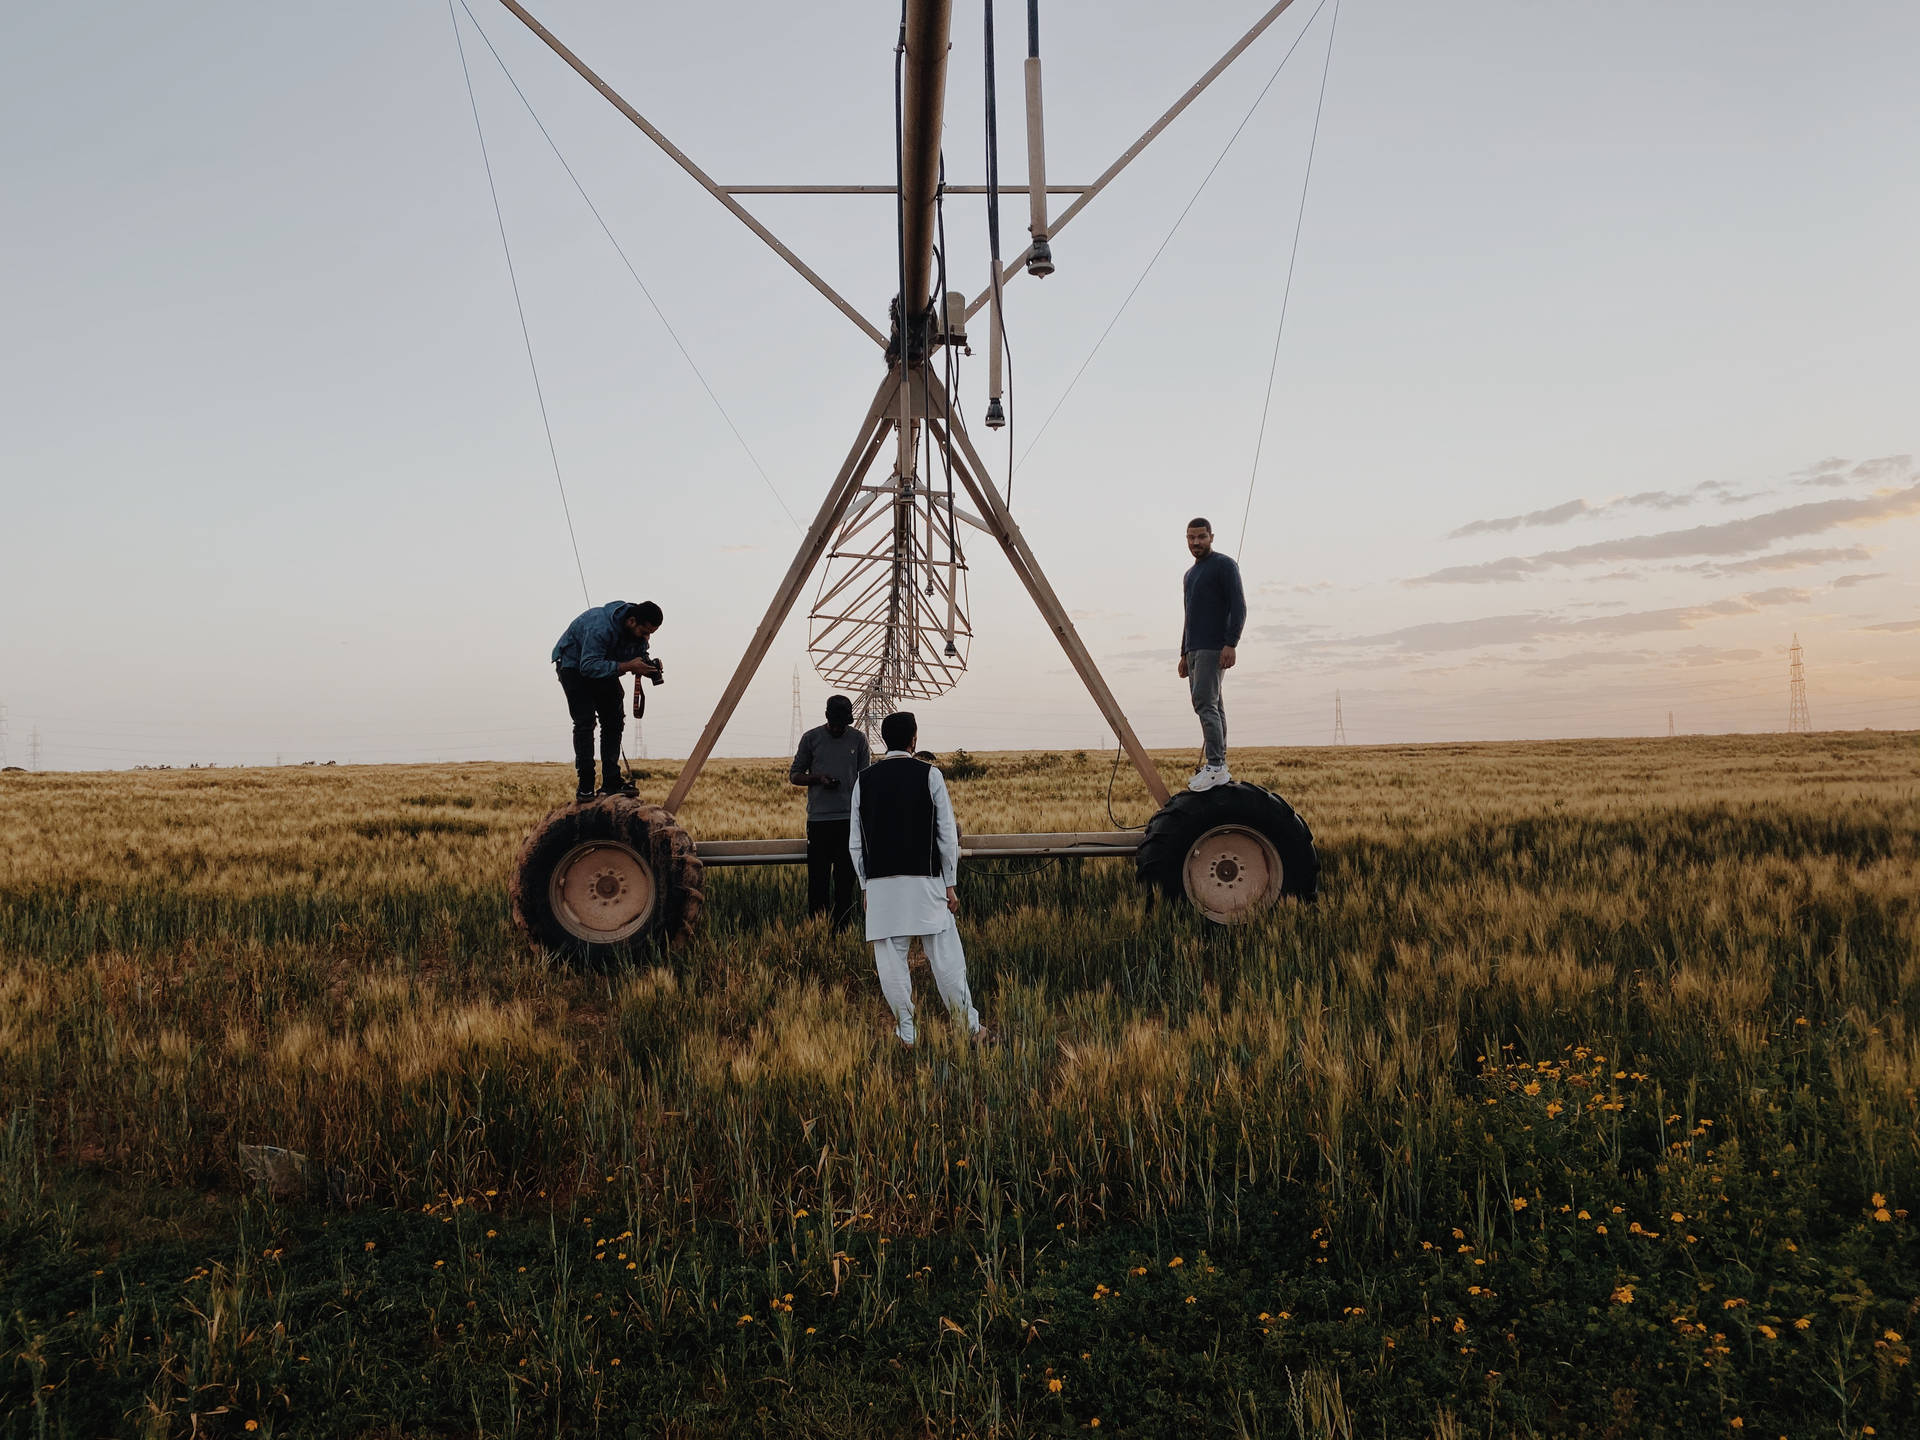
{"type": "Point", "coordinates": [999, 313]}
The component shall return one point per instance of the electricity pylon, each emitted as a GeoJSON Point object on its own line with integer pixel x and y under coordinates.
{"type": "Point", "coordinates": [3, 735]}
{"type": "Point", "coordinates": [1669, 724]}
{"type": "Point", "coordinates": [1798, 721]}
{"type": "Point", "coordinates": [1339, 722]}
{"type": "Point", "coordinates": [793, 725]}
{"type": "Point", "coordinates": [33, 749]}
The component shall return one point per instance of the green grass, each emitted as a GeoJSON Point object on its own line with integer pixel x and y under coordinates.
{"type": "Point", "coordinates": [1582, 1104]}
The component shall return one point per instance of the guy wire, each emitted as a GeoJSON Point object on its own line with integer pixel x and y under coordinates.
{"type": "Point", "coordinates": [1286, 293]}
{"type": "Point", "coordinates": [525, 337]}
{"type": "Point", "coordinates": [1178, 222]}
{"type": "Point", "coordinates": [619, 250]}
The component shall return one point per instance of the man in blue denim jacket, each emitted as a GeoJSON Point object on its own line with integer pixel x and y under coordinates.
{"type": "Point", "coordinates": [599, 647]}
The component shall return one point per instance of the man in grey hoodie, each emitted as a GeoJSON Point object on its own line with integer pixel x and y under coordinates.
{"type": "Point", "coordinates": [829, 760]}
{"type": "Point", "coordinates": [600, 646]}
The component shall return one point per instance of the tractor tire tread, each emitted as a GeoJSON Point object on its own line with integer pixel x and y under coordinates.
{"type": "Point", "coordinates": [678, 874]}
{"type": "Point", "coordinates": [1160, 861]}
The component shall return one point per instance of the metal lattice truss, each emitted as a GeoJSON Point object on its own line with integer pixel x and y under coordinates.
{"type": "Point", "coordinates": [889, 623]}
{"type": "Point", "coordinates": [890, 619]}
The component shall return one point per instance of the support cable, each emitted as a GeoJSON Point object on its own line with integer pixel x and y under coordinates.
{"type": "Point", "coordinates": [1170, 234]}
{"type": "Point", "coordinates": [525, 336]}
{"type": "Point", "coordinates": [1286, 293]}
{"type": "Point", "coordinates": [607, 230]}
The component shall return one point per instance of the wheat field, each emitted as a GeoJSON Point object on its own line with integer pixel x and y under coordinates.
{"type": "Point", "coordinates": [1582, 1103]}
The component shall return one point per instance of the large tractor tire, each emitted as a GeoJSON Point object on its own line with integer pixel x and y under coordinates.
{"type": "Point", "coordinates": [600, 879]}
{"type": "Point", "coordinates": [1231, 852]}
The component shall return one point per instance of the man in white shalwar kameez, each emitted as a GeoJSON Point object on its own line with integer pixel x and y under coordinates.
{"type": "Point", "coordinates": [906, 855]}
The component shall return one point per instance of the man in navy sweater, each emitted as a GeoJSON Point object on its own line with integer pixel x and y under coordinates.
{"type": "Point", "coordinates": [1216, 612]}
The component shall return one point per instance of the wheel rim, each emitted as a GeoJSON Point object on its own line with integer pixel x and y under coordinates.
{"type": "Point", "coordinates": [602, 892]}
{"type": "Point", "coordinates": [1232, 873]}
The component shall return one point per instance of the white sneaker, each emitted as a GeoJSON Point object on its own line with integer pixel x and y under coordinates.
{"type": "Point", "coordinates": [1210, 776]}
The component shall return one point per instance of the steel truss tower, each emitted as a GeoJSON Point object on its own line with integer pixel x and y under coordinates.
{"type": "Point", "coordinates": [1798, 721]}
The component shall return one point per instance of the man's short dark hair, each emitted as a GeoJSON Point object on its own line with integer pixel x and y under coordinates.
{"type": "Point", "coordinates": [1200, 522]}
{"type": "Point", "coordinates": [646, 612]}
{"type": "Point", "coordinates": [898, 730]}
{"type": "Point", "coordinates": [839, 708]}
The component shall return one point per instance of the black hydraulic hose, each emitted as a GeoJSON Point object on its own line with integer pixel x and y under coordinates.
{"type": "Point", "coordinates": [993, 156]}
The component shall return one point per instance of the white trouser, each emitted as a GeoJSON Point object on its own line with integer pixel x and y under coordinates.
{"type": "Point", "coordinates": [949, 961]}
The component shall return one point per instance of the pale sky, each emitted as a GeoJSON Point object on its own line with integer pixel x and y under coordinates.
{"type": "Point", "coordinates": [1598, 382]}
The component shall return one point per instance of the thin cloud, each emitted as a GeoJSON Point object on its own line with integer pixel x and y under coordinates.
{"type": "Point", "coordinates": [1784, 560]}
{"type": "Point", "coordinates": [1847, 582]}
{"type": "Point", "coordinates": [1556, 515]}
{"type": "Point", "coordinates": [1446, 635]}
{"type": "Point", "coordinates": [1575, 509]}
{"type": "Point", "coordinates": [1830, 471]}
{"type": "Point", "coordinates": [1730, 537]}
{"type": "Point", "coordinates": [1895, 627]}
{"type": "Point", "coordinates": [1833, 471]}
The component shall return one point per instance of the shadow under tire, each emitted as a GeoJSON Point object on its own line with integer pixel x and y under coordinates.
{"type": "Point", "coordinates": [598, 880]}
{"type": "Point", "coordinates": [1231, 852]}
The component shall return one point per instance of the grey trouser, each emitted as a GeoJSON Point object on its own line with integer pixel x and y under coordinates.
{"type": "Point", "coordinates": [1203, 683]}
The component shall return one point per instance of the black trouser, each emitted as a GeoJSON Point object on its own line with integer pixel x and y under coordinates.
{"type": "Point", "coordinates": [830, 869]}
{"type": "Point", "coordinates": [587, 701]}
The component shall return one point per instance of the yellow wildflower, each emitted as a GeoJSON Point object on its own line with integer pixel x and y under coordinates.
{"type": "Point", "coordinates": [1053, 1386]}
{"type": "Point", "coordinates": [1623, 1295]}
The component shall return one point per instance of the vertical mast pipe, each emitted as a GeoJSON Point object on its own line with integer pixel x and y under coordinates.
{"type": "Point", "coordinates": [929, 23]}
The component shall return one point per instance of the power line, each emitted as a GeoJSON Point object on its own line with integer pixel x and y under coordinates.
{"type": "Point", "coordinates": [1169, 237]}
{"type": "Point", "coordinates": [525, 336]}
{"type": "Point", "coordinates": [607, 230]}
{"type": "Point", "coordinates": [1286, 293]}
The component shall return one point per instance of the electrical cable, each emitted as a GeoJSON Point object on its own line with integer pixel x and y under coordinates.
{"type": "Point", "coordinates": [1169, 237]}
{"type": "Point", "coordinates": [999, 314]}
{"type": "Point", "coordinates": [525, 336]}
{"type": "Point", "coordinates": [1286, 293]}
{"type": "Point", "coordinates": [659, 314]}
{"type": "Point", "coordinates": [1113, 819]}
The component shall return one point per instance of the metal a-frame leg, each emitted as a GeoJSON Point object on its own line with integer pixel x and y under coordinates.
{"type": "Point", "coordinates": [974, 475]}
{"type": "Point", "coordinates": [819, 535]}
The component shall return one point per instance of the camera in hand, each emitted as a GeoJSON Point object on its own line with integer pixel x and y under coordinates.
{"type": "Point", "coordinates": [659, 672]}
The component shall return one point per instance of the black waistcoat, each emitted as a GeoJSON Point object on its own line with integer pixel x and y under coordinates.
{"type": "Point", "coordinates": [896, 819]}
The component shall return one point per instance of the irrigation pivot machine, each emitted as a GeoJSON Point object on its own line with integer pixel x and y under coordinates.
{"type": "Point", "coordinates": [889, 622]}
